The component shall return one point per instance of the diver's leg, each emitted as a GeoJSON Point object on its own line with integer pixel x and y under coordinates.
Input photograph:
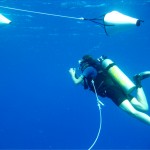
{"type": "Point", "coordinates": [127, 107]}
{"type": "Point", "coordinates": [141, 102]}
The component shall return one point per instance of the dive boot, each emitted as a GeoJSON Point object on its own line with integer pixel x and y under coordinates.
{"type": "Point", "coordinates": [138, 77]}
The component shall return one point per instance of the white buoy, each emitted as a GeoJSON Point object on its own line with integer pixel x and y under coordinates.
{"type": "Point", "coordinates": [4, 20]}
{"type": "Point", "coordinates": [116, 22]}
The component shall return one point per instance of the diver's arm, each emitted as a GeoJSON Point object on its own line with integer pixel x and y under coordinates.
{"type": "Point", "coordinates": [72, 72]}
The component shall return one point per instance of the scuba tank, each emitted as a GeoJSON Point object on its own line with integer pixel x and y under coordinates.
{"type": "Point", "coordinates": [117, 75]}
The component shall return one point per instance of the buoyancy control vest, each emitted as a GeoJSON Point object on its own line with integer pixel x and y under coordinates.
{"type": "Point", "coordinates": [108, 74]}
{"type": "Point", "coordinates": [101, 82]}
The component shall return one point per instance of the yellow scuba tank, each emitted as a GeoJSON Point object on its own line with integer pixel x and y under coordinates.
{"type": "Point", "coordinates": [118, 76]}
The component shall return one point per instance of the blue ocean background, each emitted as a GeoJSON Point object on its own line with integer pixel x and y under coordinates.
{"type": "Point", "coordinates": [40, 107]}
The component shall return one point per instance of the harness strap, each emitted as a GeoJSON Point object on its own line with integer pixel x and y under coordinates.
{"type": "Point", "coordinates": [109, 66]}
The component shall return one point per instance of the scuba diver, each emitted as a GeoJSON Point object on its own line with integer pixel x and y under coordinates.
{"type": "Point", "coordinates": [105, 79]}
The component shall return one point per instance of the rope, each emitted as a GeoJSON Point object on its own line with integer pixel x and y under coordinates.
{"type": "Point", "coordinates": [99, 103]}
{"type": "Point", "coordinates": [94, 20]}
{"type": "Point", "coordinates": [42, 13]}
{"type": "Point", "coordinates": [98, 100]}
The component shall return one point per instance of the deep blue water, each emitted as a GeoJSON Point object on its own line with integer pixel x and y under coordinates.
{"type": "Point", "coordinates": [40, 108]}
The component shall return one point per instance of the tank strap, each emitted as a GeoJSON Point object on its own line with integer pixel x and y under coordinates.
{"type": "Point", "coordinates": [85, 84]}
{"type": "Point", "coordinates": [109, 66]}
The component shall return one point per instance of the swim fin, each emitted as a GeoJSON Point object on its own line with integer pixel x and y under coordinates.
{"type": "Point", "coordinates": [138, 77]}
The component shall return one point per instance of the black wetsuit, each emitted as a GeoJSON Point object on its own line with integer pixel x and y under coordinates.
{"type": "Point", "coordinates": [105, 87]}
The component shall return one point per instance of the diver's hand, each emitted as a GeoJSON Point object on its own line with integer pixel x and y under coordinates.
{"type": "Point", "coordinates": [72, 71]}
{"type": "Point", "coordinates": [76, 80]}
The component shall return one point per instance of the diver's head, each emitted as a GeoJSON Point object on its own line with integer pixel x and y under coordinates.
{"type": "Point", "coordinates": [85, 62]}
{"type": "Point", "coordinates": [86, 58]}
